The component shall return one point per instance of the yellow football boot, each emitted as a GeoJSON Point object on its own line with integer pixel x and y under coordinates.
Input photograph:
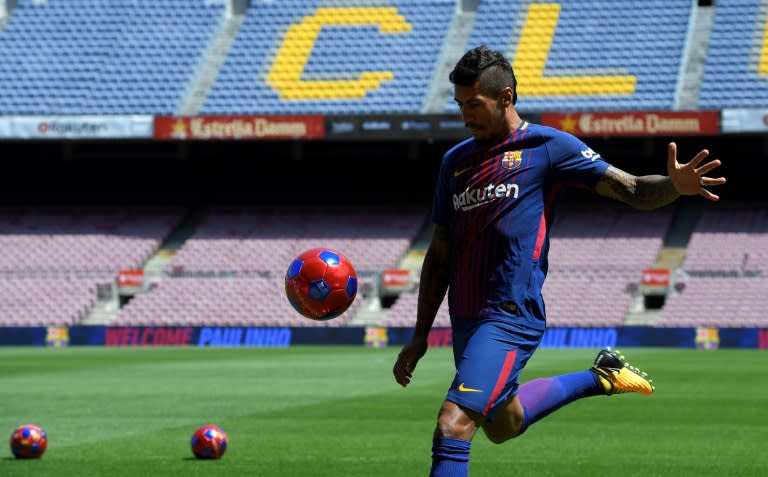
{"type": "Point", "coordinates": [617, 376]}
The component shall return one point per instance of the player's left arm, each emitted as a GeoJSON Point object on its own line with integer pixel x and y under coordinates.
{"type": "Point", "coordinates": [653, 191]}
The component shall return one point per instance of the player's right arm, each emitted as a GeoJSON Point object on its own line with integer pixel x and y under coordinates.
{"type": "Point", "coordinates": [432, 287]}
{"type": "Point", "coordinates": [653, 191]}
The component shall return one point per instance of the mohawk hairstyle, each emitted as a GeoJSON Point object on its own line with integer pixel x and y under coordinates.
{"type": "Point", "coordinates": [489, 67]}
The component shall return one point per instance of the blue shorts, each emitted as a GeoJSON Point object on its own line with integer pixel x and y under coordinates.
{"type": "Point", "coordinates": [489, 355]}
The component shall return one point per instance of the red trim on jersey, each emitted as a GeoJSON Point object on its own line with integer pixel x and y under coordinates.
{"type": "Point", "coordinates": [545, 215]}
{"type": "Point", "coordinates": [509, 363]}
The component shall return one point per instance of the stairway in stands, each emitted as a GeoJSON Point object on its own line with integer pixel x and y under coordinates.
{"type": "Point", "coordinates": [671, 256]}
{"type": "Point", "coordinates": [105, 309]}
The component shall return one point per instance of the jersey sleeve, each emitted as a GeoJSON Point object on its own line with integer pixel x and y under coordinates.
{"type": "Point", "coordinates": [574, 162]}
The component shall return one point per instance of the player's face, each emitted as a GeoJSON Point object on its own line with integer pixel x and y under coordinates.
{"type": "Point", "coordinates": [483, 115]}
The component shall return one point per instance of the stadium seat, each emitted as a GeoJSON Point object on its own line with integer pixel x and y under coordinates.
{"type": "Point", "coordinates": [609, 47]}
{"type": "Point", "coordinates": [116, 46]}
{"type": "Point", "coordinates": [734, 75]}
{"type": "Point", "coordinates": [385, 40]}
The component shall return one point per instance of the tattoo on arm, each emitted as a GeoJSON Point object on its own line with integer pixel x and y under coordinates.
{"type": "Point", "coordinates": [642, 192]}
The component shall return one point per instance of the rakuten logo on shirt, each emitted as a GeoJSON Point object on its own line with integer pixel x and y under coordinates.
{"type": "Point", "coordinates": [588, 153]}
{"type": "Point", "coordinates": [471, 198]}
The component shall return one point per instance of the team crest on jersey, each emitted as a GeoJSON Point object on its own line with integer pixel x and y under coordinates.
{"type": "Point", "coordinates": [512, 160]}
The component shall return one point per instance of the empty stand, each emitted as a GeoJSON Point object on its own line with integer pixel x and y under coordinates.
{"type": "Point", "coordinates": [255, 240]}
{"type": "Point", "coordinates": [574, 55]}
{"type": "Point", "coordinates": [254, 247]}
{"type": "Point", "coordinates": [53, 260]}
{"type": "Point", "coordinates": [298, 56]}
{"type": "Point", "coordinates": [736, 67]}
{"type": "Point", "coordinates": [591, 298]}
{"type": "Point", "coordinates": [718, 302]}
{"type": "Point", "coordinates": [364, 57]}
{"type": "Point", "coordinates": [120, 56]}
{"type": "Point", "coordinates": [730, 238]}
{"type": "Point", "coordinates": [250, 301]}
{"type": "Point", "coordinates": [403, 312]}
{"type": "Point", "coordinates": [607, 237]}
{"type": "Point", "coordinates": [36, 241]}
{"type": "Point", "coordinates": [45, 301]}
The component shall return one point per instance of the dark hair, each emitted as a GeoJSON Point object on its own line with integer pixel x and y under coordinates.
{"type": "Point", "coordinates": [490, 67]}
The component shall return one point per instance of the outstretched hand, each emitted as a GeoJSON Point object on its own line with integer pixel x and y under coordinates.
{"type": "Point", "coordinates": [688, 178]}
{"type": "Point", "coordinates": [407, 360]}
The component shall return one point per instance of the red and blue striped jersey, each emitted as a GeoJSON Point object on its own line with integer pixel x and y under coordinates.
{"type": "Point", "coordinates": [497, 200]}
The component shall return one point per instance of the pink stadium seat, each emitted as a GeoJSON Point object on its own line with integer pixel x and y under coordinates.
{"type": "Point", "coordinates": [81, 240]}
{"type": "Point", "coordinates": [267, 240]}
{"type": "Point", "coordinates": [250, 301]}
{"type": "Point", "coordinates": [53, 259]}
{"type": "Point", "coordinates": [45, 301]}
{"type": "Point", "coordinates": [718, 302]}
{"type": "Point", "coordinates": [730, 238]}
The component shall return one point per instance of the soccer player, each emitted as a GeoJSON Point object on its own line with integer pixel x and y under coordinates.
{"type": "Point", "coordinates": [492, 209]}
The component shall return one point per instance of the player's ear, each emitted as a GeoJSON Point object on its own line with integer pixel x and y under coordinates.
{"type": "Point", "coordinates": [506, 96]}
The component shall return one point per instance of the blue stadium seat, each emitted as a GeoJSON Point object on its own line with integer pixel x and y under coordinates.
{"type": "Point", "coordinates": [642, 39]}
{"type": "Point", "coordinates": [410, 56]}
{"type": "Point", "coordinates": [88, 44]}
{"type": "Point", "coordinates": [731, 72]}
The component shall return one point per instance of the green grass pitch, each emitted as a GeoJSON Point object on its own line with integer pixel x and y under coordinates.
{"type": "Point", "coordinates": [336, 411]}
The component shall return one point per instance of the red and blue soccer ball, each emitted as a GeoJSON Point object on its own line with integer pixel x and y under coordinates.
{"type": "Point", "coordinates": [28, 442]}
{"type": "Point", "coordinates": [321, 283]}
{"type": "Point", "coordinates": [209, 442]}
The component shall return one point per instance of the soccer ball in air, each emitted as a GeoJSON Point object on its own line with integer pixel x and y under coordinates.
{"type": "Point", "coordinates": [321, 283]}
{"type": "Point", "coordinates": [28, 442]}
{"type": "Point", "coordinates": [209, 442]}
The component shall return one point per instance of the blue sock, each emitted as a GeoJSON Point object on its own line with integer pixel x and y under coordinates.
{"type": "Point", "coordinates": [543, 396]}
{"type": "Point", "coordinates": [450, 457]}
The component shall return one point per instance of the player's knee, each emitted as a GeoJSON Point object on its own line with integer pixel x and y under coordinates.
{"type": "Point", "coordinates": [503, 428]}
{"type": "Point", "coordinates": [498, 437]}
{"type": "Point", "coordinates": [455, 423]}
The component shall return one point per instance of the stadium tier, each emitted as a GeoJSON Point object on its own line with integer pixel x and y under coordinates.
{"type": "Point", "coordinates": [576, 55]}
{"type": "Point", "coordinates": [85, 57]}
{"type": "Point", "coordinates": [45, 301]}
{"type": "Point", "coordinates": [229, 269]}
{"type": "Point", "coordinates": [53, 260]}
{"type": "Point", "coordinates": [726, 265]}
{"type": "Point", "coordinates": [75, 57]}
{"type": "Point", "coordinates": [266, 240]}
{"type": "Point", "coordinates": [252, 301]}
{"type": "Point", "coordinates": [403, 312]}
{"type": "Point", "coordinates": [55, 242]}
{"type": "Point", "coordinates": [356, 58]}
{"type": "Point", "coordinates": [608, 238]}
{"type": "Point", "coordinates": [736, 67]}
{"type": "Point", "coordinates": [299, 56]}
{"type": "Point", "coordinates": [730, 239]}
{"type": "Point", "coordinates": [718, 302]}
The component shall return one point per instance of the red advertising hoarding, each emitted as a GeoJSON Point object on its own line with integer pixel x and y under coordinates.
{"type": "Point", "coordinates": [656, 277]}
{"type": "Point", "coordinates": [130, 278]}
{"type": "Point", "coordinates": [396, 277]}
{"type": "Point", "coordinates": [641, 123]}
{"type": "Point", "coordinates": [248, 127]}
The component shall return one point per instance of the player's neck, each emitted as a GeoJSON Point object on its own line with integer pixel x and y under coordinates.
{"type": "Point", "coordinates": [512, 123]}
{"type": "Point", "coordinates": [514, 120]}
